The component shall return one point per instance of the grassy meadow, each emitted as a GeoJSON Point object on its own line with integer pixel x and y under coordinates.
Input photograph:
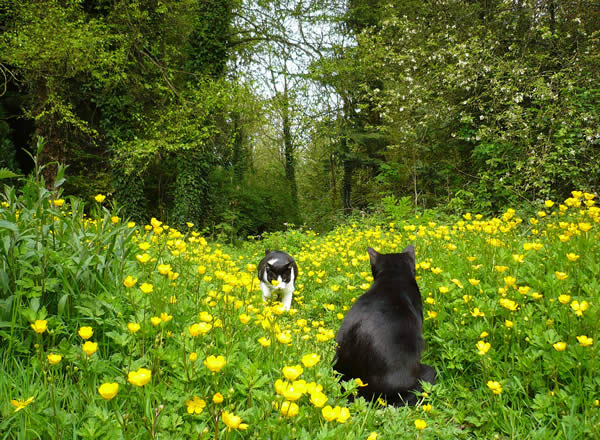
{"type": "Point", "coordinates": [111, 330]}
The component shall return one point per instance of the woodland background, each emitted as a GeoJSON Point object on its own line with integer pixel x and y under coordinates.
{"type": "Point", "coordinates": [244, 115]}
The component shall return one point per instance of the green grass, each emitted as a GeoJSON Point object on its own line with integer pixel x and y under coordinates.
{"type": "Point", "coordinates": [65, 268]}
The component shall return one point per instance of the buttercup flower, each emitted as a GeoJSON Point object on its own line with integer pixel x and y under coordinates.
{"type": "Point", "coordinates": [337, 413]}
{"type": "Point", "coordinates": [289, 409]}
{"type": "Point", "coordinates": [483, 347]}
{"type": "Point", "coordinates": [146, 287]}
{"type": "Point", "coordinates": [99, 198]}
{"type": "Point", "coordinates": [85, 332]}
{"type": "Point", "coordinates": [494, 386]}
{"type": "Point", "coordinates": [195, 406]}
{"type": "Point", "coordinates": [133, 327]}
{"type": "Point", "coordinates": [40, 326]}
{"type": "Point", "coordinates": [218, 398]}
{"type": "Point", "coordinates": [90, 347]}
{"type": "Point", "coordinates": [579, 307]}
{"type": "Point", "coordinates": [560, 346]}
{"type": "Point", "coordinates": [129, 281]}
{"type": "Point", "coordinates": [293, 372]}
{"type": "Point", "coordinates": [140, 377]}
{"type": "Point", "coordinates": [420, 424]}
{"type": "Point", "coordinates": [215, 363]}
{"type": "Point", "coordinates": [318, 399]}
{"type": "Point", "coordinates": [232, 421]}
{"type": "Point", "coordinates": [54, 359]}
{"type": "Point", "coordinates": [310, 360]}
{"type": "Point", "coordinates": [20, 404]}
{"type": "Point", "coordinates": [155, 320]}
{"type": "Point", "coordinates": [584, 341]}
{"type": "Point", "coordinates": [108, 390]}
{"type": "Point", "coordinates": [561, 275]}
{"type": "Point", "coordinates": [58, 202]}
{"type": "Point", "coordinates": [199, 328]}
{"type": "Point", "coordinates": [265, 342]}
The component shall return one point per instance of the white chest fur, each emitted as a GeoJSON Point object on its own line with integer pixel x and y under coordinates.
{"type": "Point", "coordinates": [287, 289]}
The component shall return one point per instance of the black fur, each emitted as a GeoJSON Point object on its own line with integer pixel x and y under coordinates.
{"type": "Point", "coordinates": [380, 340]}
{"type": "Point", "coordinates": [282, 267]}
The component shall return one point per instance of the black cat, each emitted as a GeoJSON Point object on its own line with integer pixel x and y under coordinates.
{"type": "Point", "coordinates": [380, 340]}
{"type": "Point", "coordinates": [278, 271]}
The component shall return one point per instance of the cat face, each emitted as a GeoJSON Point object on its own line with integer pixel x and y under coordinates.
{"type": "Point", "coordinates": [281, 273]}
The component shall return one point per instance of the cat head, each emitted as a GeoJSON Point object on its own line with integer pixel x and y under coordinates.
{"type": "Point", "coordinates": [397, 264]}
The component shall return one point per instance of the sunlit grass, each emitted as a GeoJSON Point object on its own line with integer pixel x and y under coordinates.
{"type": "Point", "coordinates": [187, 349]}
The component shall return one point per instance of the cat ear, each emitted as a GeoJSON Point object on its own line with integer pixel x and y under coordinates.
{"type": "Point", "coordinates": [373, 255]}
{"type": "Point", "coordinates": [267, 252]}
{"type": "Point", "coordinates": [410, 251]}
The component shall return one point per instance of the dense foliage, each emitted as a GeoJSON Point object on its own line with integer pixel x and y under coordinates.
{"type": "Point", "coordinates": [187, 109]}
{"type": "Point", "coordinates": [116, 330]}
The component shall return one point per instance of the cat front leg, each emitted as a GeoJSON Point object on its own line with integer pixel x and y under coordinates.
{"type": "Point", "coordinates": [266, 292]}
{"type": "Point", "coordinates": [286, 299]}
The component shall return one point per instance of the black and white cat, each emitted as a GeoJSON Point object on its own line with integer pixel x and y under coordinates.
{"type": "Point", "coordinates": [380, 340]}
{"type": "Point", "coordinates": [278, 271]}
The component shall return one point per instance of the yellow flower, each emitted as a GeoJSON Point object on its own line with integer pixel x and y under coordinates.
{"type": "Point", "coordinates": [215, 363]}
{"type": "Point", "coordinates": [494, 386]}
{"type": "Point", "coordinates": [372, 436]}
{"type": "Point", "coordinates": [337, 413]}
{"type": "Point", "coordinates": [164, 269]}
{"type": "Point", "coordinates": [474, 282]}
{"type": "Point", "coordinates": [40, 326]}
{"type": "Point", "coordinates": [420, 424]}
{"type": "Point", "coordinates": [140, 377]}
{"type": "Point", "coordinates": [115, 219]}
{"type": "Point", "coordinates": [509, 324]}
{"type": "Point", "coordinates": [85, 332]}
{"type": "Point", "coordinates": [510, 281]}
{"type": "Point", "coordinates": [584, 341]}
{"type": "Point", "coordinates": [133, 327]}
{"type": "Point", "coordinates": [205, 316]}
{"type": "Point", "coordinates": [579, 307]}
{"type": "Point", "coordinates": [509, 304]}
{"type": "Point", "coordinates": [561, 275]}
{"type": "Point", "coordinates": [90, 347]}
{"type": "Point", "coordinates": [217, 398]}
{"type": "Point", "coordinates": [292, 391]}
{"type": "Point", "coordinates": [155, 320]}
{"type": "Point", "coordinates": [560, 346]}
{"type": "Point", "coordinates": [318, 399]}
{"type": "Point", "coordinates": [443, 289]}
{"type": "Point", "coordinates": [233, 422]}
{"type": "Point", "coordinates": [108, 390]}
{"type": "Point", "coordinates": [293, 372]}
{"type": "Point", "coordinates": [146, 287]}
{"type": "Point", "coordinates": [310, 360]}
{"type": "Point", "coordinates": [54, 359]}
{"type": "Point", "coordinates": [501, 268]}
{"type": "Point", "coordinates": [564, 299]}
{"type": "Point", "coordinates": [284, 337]}
{"type": "Point", "coordinates": [244, 318]}
{"type": "Point", "coordinates": [427, 407]}
{"type": "Point", "coordinates": [477, 313]}
{"type": "Point", "coordinates": [483, 347]}
{"type": "Point", "coordinates": [199, 329]}
{"type": "Point", "coordinates": [129, 281]}
{"type": "Point", "coordinates": [360, 383]}
{"type": "Point", "coordinates": [585, 226]}
{"type": "Point", "coordinates": [165, 317]}
{"type": "Point", "coordinates": [548, 203]}
{"type": "Point", "coordinates": [99, 198]}
{"type": "Point", "coordinates": [20, 404]}
{"type": "Point", "coordinates": [131, 225]}
{"type": "Point", "coordinates": [518, 258]}
{"type": "Point", "coordinates": [195, 406]}
{"type": "Point", "coordinates": [58, 202]}
{"type": "Point", "coordinates": [289, 409]}
{"type": "Point", "coordinates": [265, 342]}
{"type": "Point", "coordinates": [572, 257]}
